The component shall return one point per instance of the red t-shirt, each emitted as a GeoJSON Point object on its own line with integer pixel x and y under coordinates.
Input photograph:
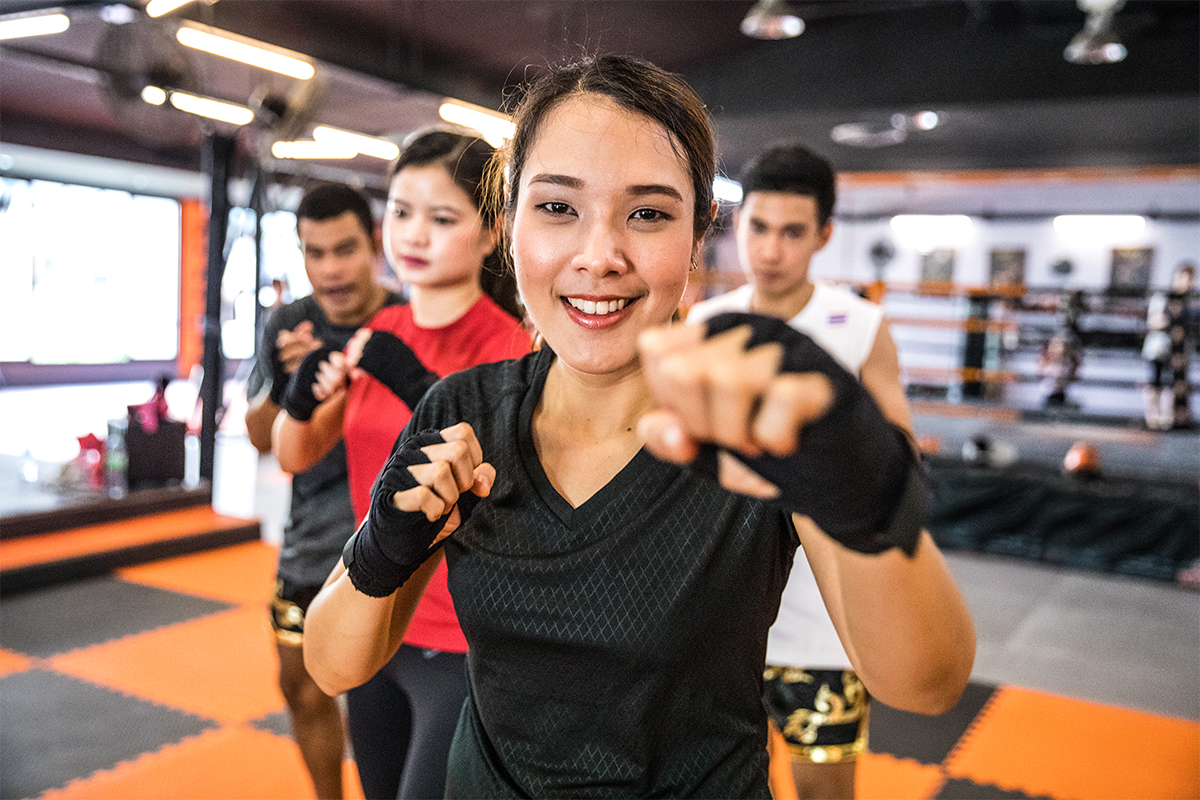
{"type": "Point", "coordinates": [375, 417]}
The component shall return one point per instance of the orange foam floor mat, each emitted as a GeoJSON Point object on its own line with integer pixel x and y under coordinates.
{"type": "Point", "coordinates": [1045, 745]}
{"type": "Point", "coordinates": [92, 539]}
{"type": "Point", "coordinates": [215, 660]}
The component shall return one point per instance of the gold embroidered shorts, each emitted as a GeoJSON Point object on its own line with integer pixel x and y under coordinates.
{"type": "Point", "coordinates": [288, 605]}
{"type": "Point", "coordinates": [822, 714]}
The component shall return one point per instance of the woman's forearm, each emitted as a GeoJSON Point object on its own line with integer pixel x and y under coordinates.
{"type": "Point", "coordinates": [902, 620]}
{"type": "Point", "coordinates": [349, 636]}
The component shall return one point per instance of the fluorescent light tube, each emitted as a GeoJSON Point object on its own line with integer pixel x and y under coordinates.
{"type": "Point", "coordinates": [367, 145]}
{"type": "Point", "coordinates": [312, 149]}
{"type": "Point", "coordinates": [157, 8]}
{"type": "Point", "coordinates": [244, 50]}
{"type": "Point", "coordinates": [154, 95]}
{"type": "Point", "coordinates": [213, 109]}
{"type": "Point", "coordinates": [40, 25]}
{"type": "Point", "coordinates": [494, 126]}
{"type": "Point", "coordinates": [1099, 226]}
{"type": "Point", "coordinates": [727, 190]}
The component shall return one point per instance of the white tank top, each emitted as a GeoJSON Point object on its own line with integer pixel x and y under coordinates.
{"type": "Point", "coordinates": [845, 325]}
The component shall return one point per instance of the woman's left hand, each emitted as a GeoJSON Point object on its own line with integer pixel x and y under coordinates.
{"type": "Point", "coordinates": [715, 391]}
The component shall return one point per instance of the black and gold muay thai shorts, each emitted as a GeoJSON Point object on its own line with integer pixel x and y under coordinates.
{"type": "Point", "coordinates": [822, 714]}
{"type": "Point", "coordinates": [289, 603]}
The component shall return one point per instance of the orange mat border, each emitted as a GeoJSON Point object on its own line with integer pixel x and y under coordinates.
{"type": "Point", "coordinates": [112, 536]}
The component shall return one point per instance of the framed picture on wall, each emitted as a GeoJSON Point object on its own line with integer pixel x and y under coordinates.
{"type": "Point", "coordinates": [1131, 269]}
{"type": "Point", "coordinates": [1007, 267]}
{"type": "Point", "coordinates": [938, 266]}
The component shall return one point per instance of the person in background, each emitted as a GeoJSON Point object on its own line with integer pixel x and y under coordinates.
{"type": "Point", "coordinates": [1170, 340]}
{"type": "Point", "coordinates": [1062, 356]}
{"type": "Point", "coordinates": [441, 240]}
{"type": "Point", "coordinates": [811, 692]}
{"type": "Point", "coordinates": [338, 240]}
{"type": "Point", "coordinates": [619, 510]}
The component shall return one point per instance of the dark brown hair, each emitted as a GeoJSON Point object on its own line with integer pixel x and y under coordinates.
{"type": "Point", "coordinates": [637, 86]}
{"type": "Point", "coordinates": [467, 160]}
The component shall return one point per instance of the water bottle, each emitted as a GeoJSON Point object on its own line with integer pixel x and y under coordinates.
{"type": "Point", "coordinates": [116, 460]}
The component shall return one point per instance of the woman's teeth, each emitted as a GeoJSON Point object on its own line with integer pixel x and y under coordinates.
{"type": "Point", "coordinates": [599, 308]}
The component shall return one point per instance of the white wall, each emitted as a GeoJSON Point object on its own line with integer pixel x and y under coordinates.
{"type": "Point", "coordinates": [1012, 213]}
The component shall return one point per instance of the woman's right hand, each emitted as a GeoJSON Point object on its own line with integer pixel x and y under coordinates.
{"type": "Point", "coordinates": [455, 467]}
{"type": "Point", "coordinates": [419, 498]}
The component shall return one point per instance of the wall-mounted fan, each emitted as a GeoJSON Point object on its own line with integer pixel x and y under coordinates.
{"type": "Point", "coordinates": [140, 53]}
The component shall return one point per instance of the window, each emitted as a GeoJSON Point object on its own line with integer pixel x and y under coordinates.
{"type": "Point", "coordinates": [87, 275]}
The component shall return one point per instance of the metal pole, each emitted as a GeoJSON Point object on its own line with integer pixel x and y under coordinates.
{"type": "Point", "coordinates": [217, 157]}
{"type": "Point", "coordinates": [257, 204]}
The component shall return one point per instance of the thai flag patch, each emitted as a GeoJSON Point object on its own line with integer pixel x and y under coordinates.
{"type": "Point", "coordinates": [837, 318]}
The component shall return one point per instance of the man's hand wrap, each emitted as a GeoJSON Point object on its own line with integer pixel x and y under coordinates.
{"type": "Point", "coordinates": [279, 379]}
{"type": "Point", "coordinates": [391, 544]}
{"type": "Point", "coordinates": [854, 473]}
{"type": "Point", "coordinates": [393, 363]}
{"type": "Point", "coordinates": [299, 400]}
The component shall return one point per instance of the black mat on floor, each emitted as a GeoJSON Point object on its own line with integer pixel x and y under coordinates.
{"type": "Point", "coordinates": [57, 728]}
{"type": "Point", "coordinates": [1113, 527]}
{"type": "Point", "coordinates": [279, 723]}
{"type": "Point", "coordinates": [924, 738]}
{"type": "Point", "coordinates": [62, 618]}
{"type": "Point", "coordinates": [959, 789]}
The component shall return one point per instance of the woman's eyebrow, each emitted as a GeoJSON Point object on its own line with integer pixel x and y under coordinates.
{"type": "Point", "coordinates": [641, 189]}
{"type": "Point", "coordinates": [557, 180]}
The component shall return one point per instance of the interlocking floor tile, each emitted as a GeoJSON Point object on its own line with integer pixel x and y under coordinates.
{"type": "Point", "coordinates": [11, 662]}
{"type": "Point", "coordinates": [222, 666]}
{"type": "Point", "coordinates": [959, 789]}
{"type": "Point", "coordinates": [239, 574]}
{"type": "Point", "coordinates": [925, 739]}
{"type": "Point", "coordinates": [279, 723]}
{"type": "Point", "coordinates": [884, 777]}
{"type": "Point", "coordinates": [1047, 745]}
{"type": "Point", "coordinates": [62, 618]}
{"type": "Point", "coordinates": [57, 728]}
{"type": "Point", "coordinates": [226, 764]}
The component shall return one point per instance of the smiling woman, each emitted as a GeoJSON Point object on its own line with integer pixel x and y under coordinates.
{"type": "Point", "coordinates": [614, 597]}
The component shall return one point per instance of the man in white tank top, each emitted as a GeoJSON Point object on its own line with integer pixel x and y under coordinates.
{"type": "Point", "coordinates": [811, 691]}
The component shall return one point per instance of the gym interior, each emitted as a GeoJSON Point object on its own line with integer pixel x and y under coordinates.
{"type": "Point", "coordinates": [1018, 180]}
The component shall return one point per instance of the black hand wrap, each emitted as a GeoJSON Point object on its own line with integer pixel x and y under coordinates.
{"type": "Point", "coordinates": [391, 544]}
{"type": "Point", "coordinates": [299, 400]}
{"type": "Point", "coordinates": [393, 363]}
{"type": "Point", "coordinates": [853, 472]}
{"type": "Point", "coordinates": [279, 379]}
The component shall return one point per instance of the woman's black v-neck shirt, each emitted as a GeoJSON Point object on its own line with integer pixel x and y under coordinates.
{"type": "Point", "coordinates": [617, 648]}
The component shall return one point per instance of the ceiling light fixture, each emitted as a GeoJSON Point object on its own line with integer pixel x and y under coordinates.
{"type": "Point", "coordinates": [926, 232]}
{"type": "Point", "coordinates": [367, 145]}
{"type": "Point", "coordinates": [154, 95]}
{"type": "Point", "coordinates": [158, 8]}
{"type": "Point", "coordinates": [727, 190]}
{"type": "Point", "coordinates": [1093, 227]}
{"type": "Point", "coordinates": [313, 149]}
{"type": "Point", "coordinates": [772, 19]}
{"type": "Point", "coordinates": [208, 107]}
{"type": "Point", "coordinates": [117, 14]}
{"type": "Point", "coordinates": [248, 51]}
{"type": "Point", "coordinates": [862, 134]}
{"type": "Point", "coordinates": [1097, 43]}
{"type": "Point", "coordinates": [495, 127]}
{"type": "Point", "coordinates": [18, 27]}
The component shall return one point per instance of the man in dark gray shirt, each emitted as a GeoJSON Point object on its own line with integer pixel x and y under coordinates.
{"type": "Point", "coordinates": [340, 246]}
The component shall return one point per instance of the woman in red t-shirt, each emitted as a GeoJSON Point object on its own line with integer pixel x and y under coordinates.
{"type": "Point", "coordinates": [441, 240]}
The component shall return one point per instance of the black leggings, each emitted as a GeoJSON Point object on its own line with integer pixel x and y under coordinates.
{"type": "Point", "coordinates": [402, 721]}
